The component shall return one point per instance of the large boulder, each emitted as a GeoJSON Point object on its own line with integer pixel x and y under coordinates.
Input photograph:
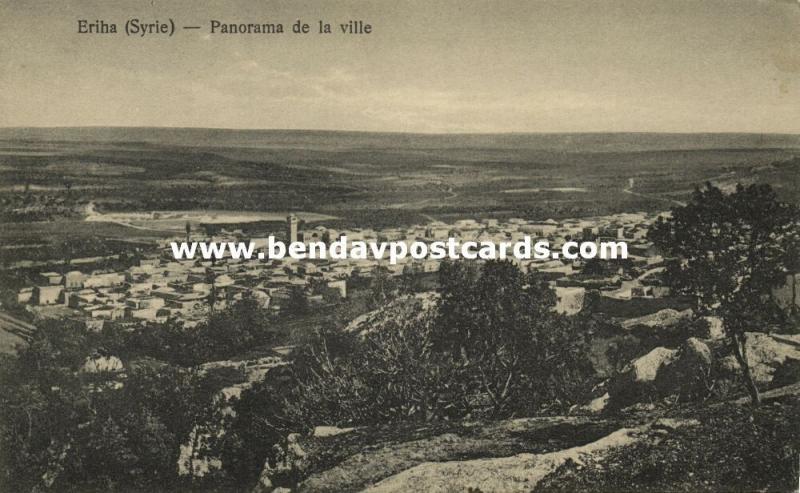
{"type": "Point", "coordinates": [645, 369]}
{"type": "Point", "coordinates": [690, 374]}
{"type": "Point", "coordinates": [767, 355]}
{"type": "Point", "coordinates": [695, 355]}
{"type": "Point", "coordinates": [663, 372]}
{"type": "Point", "coordinates": [569, 299]}
{"type": "Point", "coordinates": [637, 382]}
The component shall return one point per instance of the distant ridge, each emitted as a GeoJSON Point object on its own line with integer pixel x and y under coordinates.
{"type": "Point", "coordinates": [329, 139]}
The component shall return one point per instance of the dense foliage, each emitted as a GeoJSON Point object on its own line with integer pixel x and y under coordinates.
{"type": "Point", "coordinates": [66, 429]}
{"type": "Point", "coordinates": [490, 347]}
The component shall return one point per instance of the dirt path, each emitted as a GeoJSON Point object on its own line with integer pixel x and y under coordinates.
{"type": "Point", "coordinates": [93, 216]}
{"type": "Point", "coordinates": [629, 190]}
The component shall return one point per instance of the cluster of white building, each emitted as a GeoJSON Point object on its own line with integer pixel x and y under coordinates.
{"type": "Point", "coordinates": [159, 287]}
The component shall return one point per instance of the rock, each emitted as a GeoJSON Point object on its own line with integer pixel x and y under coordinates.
{"type": "Point", "coordinates": [396, 314]}
{"type": "Point", "coordinates": [713, 329]}
{"type": "Point", "coordinates": [636, 383]}
{"type": "Point", "coordinates": [595, 406]}
{"type": "Point", "coordinates": [728, 365]}
{"type": "Point", "coordinates": [661, 319]}
{"type": "Point", "coordinates": [645, 369]}
{"type": "Point", "coordinates": [570, 300]}
{"type": "Point", "coordinates": [517, 473]}
{"type": "Point", "coordinates": [330, 431]}
{"type": "Point", "coordinates": [665, 372]}
{"type": "Point", "coordinates": [674, 424]}
{"type": "Point", "coordinates": [289, 461]}
{"type": "Point", "coordinates": [640, 407]}
{"type": "Point", "coordinates": [103, 364]}
{"type": "Point", "coordinates": [689, 375]}
{"type": "Point", "coordinates": [264, 484]}
{"type": "Point", "coordinates": [767, 353]}
{"type": "Point", "coordinates": [696, 352]}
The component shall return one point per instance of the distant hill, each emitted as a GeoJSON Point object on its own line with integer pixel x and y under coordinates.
{"type": "Point", "coordinates": [311, 139]}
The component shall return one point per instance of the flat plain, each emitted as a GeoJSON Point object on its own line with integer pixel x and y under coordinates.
{"type": "Point", "coordinates": [59, 184]}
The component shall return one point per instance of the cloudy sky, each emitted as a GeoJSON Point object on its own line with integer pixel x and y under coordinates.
{"type": "Point", "coordinates": [428, 66]}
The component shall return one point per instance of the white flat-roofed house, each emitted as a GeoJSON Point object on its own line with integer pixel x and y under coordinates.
{"type": "Point", "coordinates": [137, 274]}
{"type": "Point", "coordinates": [104, 280]}
{"type": "Point", "coordinates": [47, 295]}
{"type": "Point", "coordinates": [140, 288]}
{"type": "Point", "coordinates": [391, 235]}
{"type": "Point", "coordinates": [148, 302]}
{"type": "Point", "coordinates": [201, 287]}
{"type": "Point", "coordinates": [81, 298]}
{"type": "Point", "coordinates": [437, 233]}
{"type": "Point", "coordinates": [24, 295]}
{"type": "Point", "coordinates": [51, 278]}
{"type": "Point", "coordinates": [149, 262]}
{"type": "Point", "coordinates": [223, 281]}
{"type": "Point", "coordinates": [466, 223]}
{"type": "Point", "coordinates": [167, 293]}
{"type": "Point", "coordinates": [541, 229]}
{"type": "Point", "coordinates": [150, 314]}
{"type": "Point", "coordinates": [109, 312]}
{"type": "Point", "coordinates": [73, 280]}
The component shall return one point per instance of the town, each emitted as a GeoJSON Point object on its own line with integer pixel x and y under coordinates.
{"type": "Point", "coordinates": [158, 287]}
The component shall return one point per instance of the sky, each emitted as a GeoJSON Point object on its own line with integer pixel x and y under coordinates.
{"type": "Point", "coordinates": [428, 66]}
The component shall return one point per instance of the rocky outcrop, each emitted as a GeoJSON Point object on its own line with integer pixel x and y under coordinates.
{"type": "Point", "coordinates": [290, 461]}
{"type": "Point", "coordinates": [399, 312]}
{"type": "Point", "coordinates": [519, 473]}
{"type": "Point", "coordinates": [636, 383]}
{"type": "Point", "coordinates": [330, 431]}
{"type": "Point", "coordinates": [103, 364]}
{"type": "Point", "coordinates": [644, 370]}
{"type": "Point", "coordinates": [660, 319]}
{"type": "Point", "coordinates": [689, 372]}
{"type": "Point", "coordinates": [664, 372]}
{"type": "Point", "coordinates": [595, 406]}
{"type": "Point", "coordinates": [365, 456]}
{"type": "Point", "coordinates": [569, 300]}
{"type": "Point", "coordinates": [689, 376]}
{"type": "Point", "coordinates": [767, 355]}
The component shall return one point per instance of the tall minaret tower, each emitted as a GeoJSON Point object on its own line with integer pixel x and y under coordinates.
{"type": "Point", "coordinates": [291, 228]}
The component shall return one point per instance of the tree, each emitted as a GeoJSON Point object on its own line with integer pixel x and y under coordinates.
{"type": "Point", "coordinates": [297, 303]}
{"type": "Point", "coordinates": [729, 253]}
{"type": "Point", "coordinates": [73, 431]}
{"type": "Point", "coordinates": [498, 326]}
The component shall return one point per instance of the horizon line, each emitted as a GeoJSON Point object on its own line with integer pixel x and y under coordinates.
{"type": "Point", "coordinates": [399, 132]}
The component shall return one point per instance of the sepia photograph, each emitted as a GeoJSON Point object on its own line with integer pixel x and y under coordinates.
{"type": "Point", "coordinates": [322, 246]}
